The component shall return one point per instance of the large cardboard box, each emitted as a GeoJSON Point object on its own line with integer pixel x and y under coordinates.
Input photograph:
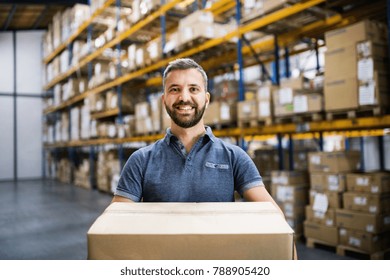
{"type": "Point", "coordinates": [174, 231]}
{"type": "Point", "coordinates": [336, 70]}
{"type": "Point", "coordinates": [341, 93]}
{"type": "Point", "coordinates": [333, 182]}
{"type": "Point", "coordinates": [332, 199]}
{"type": "Point", "coordinates": [295, 194]}
{"type": "Point", "coordinates": [327, 218]}
{"type": "Point", "coordinates": [366, 202]}
{"type": "Point", "coordinates": [375, 182]}
{"type": "Point", "coordinates": [350, 35]}
{"type": "Point", "coordinates": [341, 161]}
{"type": "Point", "coordinates": [373, 223]}
{"type": "Point", "coordinates": [316, 231]}
{"type": "Point", "coordinates": [220, 112]}
{"type": "Point", "coordinates": [364, 241]}
{"type": "Point", "coordinates": [289, 177]}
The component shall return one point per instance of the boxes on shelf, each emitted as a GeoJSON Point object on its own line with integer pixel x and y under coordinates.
{"type": "Point", "coordinates": [366, 202]}
{"type": "Point", "coordinates": [107, 167]}
{"type": "Point", "coordinates": [75, 123]}
{"type": "Point", "coordinates": [362, 221]}
{"type": "Point", "coordinates": [328, 234]}
{"type": "Point", "coordinates": [332, 182]}
{"type": "Point", "coordinates": [326, 199]}
{"type": "Point", "coordinates": [364, 241]}
{"type": "Point", "coordinates": [56, 29]}
{"type": "Point", "coordinates": [85, 120]}
{"type": "Point", "coordinates": [203, 225]}
{"type": "Point", "coordinates": [327, 218]}
{"type": "Point", "coordinates": [257, 8]}
{"type": "Point", "coordinates": [143, 119]}
{"type": "Point", "coordinates": [197, 25]}
{"type": "Point", "coordinates": [220, 113]}
{"type": "Point", "coordinates": [341, 89]}
{"type": "Point", "coordinates": [82, 175]}
{"type": "Point", "coordinates": [373, 182]}
{"type": "Point", "coordinates": [341, 161]}
{"type": "Point", "coordinates": [360, 31]}
{"type": "Point", "coordinates": [290, 191]}
{"type": "Point", "coordinates": [64, 171]}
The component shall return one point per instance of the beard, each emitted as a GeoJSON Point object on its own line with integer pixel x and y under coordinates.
{"type": "Point", "coordinates": [185, 122]}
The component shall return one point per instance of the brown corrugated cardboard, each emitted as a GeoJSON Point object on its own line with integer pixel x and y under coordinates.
{"type": "Point", "coordinates": [336, 70]}
{"type": "Point", "coordinates": [281, 177]}
{"type": "Point", "coordinates": [350, 35]}
{"type": "Point", "coordinates": [334, 199]}
{"type": "Point", "coordinates": [285, 193]}
{"type": "Point", "coordinates": [308, 102]}
{"type": "Point", "coordinates": [316, 231]}
{"type": "Point", "coordinates": [373, 223]}
{"type": "Point", "coordinates": [291, 210]}
{"type": "Point", "coordinates": [332, 182]}
{"type": "Point", "coordinates": [375, 182]}
{"type": "Point", "coordinates": [220, 112]}
{"type": "Point", "coordinates": [342, 161]}
{"type": "Point", "coordinates": [341, 93]}
{"type": "Point", "coordinates": [366, 202]}
{"type": "Point", "coordinates": [247, 110]}
{"type": "Point", "coordinates": [328, 218]}
{"type": "Point", "coordinates": [364, 241]}
{"type": "Point", "coordinates": [368, 48]}
{"type": "Point", "coordinates": [175, 231]}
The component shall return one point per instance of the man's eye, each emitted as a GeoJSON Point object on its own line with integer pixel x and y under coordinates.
{"type": "Point", "coordinates": [194, 89]}
{"type": "Point", "coordinates": [173, 90]}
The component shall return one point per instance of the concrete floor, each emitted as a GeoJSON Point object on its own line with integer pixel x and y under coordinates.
{"type": "Point", "coordinates": [48, 220]}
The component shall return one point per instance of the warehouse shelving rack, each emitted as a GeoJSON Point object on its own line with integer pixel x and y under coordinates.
{"type": "Point", "coordinates": [311, 29]}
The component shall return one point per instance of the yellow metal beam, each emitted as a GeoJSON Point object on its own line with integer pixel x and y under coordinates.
{"type": "Point", "coordinates": [79, 30]}
{"type": "Point", "coordinates": [219, 5]}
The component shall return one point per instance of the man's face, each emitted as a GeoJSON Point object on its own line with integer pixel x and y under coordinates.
{"type": "Point", "coordinates": [185, 97]}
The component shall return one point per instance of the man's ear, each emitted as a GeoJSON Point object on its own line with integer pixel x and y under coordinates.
{"type": "Point", "coordinates": [207, 99]}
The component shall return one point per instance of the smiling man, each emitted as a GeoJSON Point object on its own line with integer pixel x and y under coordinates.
{"type": "Point", "coordinates": [189, 164]}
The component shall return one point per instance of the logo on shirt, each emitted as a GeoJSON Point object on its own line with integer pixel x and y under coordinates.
{"type": "Point", "coordinates": [217, 165]}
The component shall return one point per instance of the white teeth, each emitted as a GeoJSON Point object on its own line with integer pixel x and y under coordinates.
{"type": "Point", "coordinates": [185, 107]}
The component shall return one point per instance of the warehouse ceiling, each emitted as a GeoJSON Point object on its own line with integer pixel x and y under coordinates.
{"type": "Point", "coordinates": [37, 14]}
{"type": "Point", "coordinates": [31, 14]}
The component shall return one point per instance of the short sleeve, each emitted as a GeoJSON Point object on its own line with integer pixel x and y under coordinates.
{"type": "Point", "coordinates": [130, 181]}
{"type": "Point", "coordinates": [246, 175]}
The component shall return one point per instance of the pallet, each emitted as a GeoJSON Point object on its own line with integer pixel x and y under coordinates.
{"type": "Point", "coordinates": [319, 244]}
{"type": "Point", "coordinates": [254, 122]}
{"type": "Point", "coordinates": [366, 111]}
{"type": "Point", "coordinates": [343, 250]}
{"type": "Point", "coordinates": [299, 118]}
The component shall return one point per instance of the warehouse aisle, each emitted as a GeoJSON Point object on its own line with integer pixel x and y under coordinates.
{"type": "Point", "coordinates": [45, 220]}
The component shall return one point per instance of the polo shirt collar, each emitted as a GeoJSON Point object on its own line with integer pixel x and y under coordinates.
{"type": "Point", "coordinates": [169, 135]}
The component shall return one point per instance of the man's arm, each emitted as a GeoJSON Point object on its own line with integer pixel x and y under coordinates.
{"type": "Point", "coordinates": [261, 194]}
{"type": "Point", "coordinates": [118, 198]}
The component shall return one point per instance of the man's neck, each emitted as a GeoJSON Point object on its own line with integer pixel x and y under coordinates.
{"type": "Point", "coordinates": [188, 136]}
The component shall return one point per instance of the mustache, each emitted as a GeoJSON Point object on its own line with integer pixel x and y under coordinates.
{"type": "Point", "coordinates": [181, 102]}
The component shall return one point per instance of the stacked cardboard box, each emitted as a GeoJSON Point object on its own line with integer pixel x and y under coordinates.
{"type": "Point", "coordinates": [327, 184]}
{"type": "Point", "coordinates": [220, 113]}
{"type": "Point", "coordinates": [64, 171]}
{"type": "Point", "coordinates": [83, 175]}
{"type": "Point", "coordinates": [258, 8]}
{"type": "Point", "coordinates": [198, 24]}
{"type": "Point", "coordinates": [143, 119]}
{"type": "Point", "coordinates": [290, 191]}
{"type": "Point", "coordinates": [257, 109]}
{"type": "Point", "coordinates": [341, 81]}
{"type": "Point", "coordinates": [294, 98]}
{"type": "Point", "coordinates": [364, 223]}
{"type": "Point", "coordinates": [372, 73]}
{"type": "Point", "coordinates": [107, 167]}
{"type": "Point", "coordinates": [75, 123]}
{"type": "Point", "coordinates": [85, 120]}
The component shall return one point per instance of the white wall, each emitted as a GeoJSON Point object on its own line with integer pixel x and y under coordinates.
{"type": "Point", "coordinates": [28, 114]}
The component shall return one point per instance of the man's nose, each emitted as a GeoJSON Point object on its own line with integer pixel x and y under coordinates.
{"type": "Point", "coordinates": [184, 95]}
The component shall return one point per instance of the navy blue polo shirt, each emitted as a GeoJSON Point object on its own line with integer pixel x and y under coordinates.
{"type": "Point", "coordinates": [210, 172]}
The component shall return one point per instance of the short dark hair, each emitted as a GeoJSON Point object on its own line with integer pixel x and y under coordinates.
{"type": "Point", "coordinates": [184, 64]}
